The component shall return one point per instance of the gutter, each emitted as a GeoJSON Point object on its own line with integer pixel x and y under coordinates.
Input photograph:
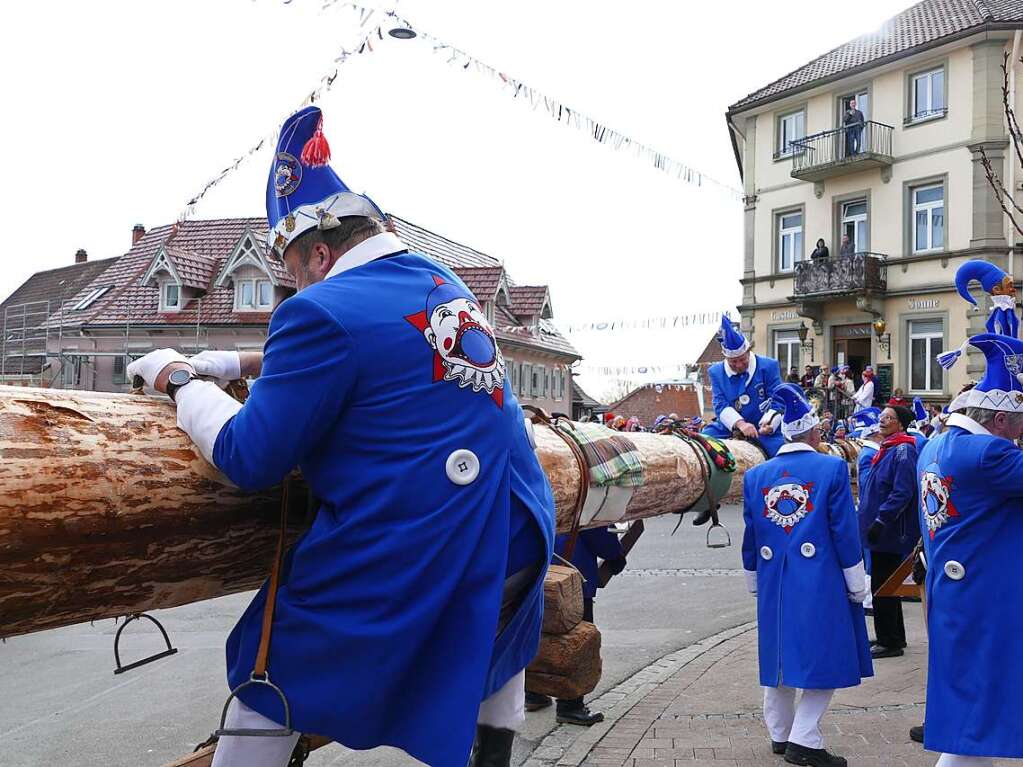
{"type": "Point", "coordinates": [732, 130]}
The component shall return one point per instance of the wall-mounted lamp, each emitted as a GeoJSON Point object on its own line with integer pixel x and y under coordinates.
{"type": "Point", "coordinates": [806, 344]}
{"type": "Point", "coordinates": [884, 340]}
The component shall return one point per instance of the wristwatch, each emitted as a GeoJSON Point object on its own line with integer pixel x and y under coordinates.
{"type": "Point", "coordinates": [177, 379]}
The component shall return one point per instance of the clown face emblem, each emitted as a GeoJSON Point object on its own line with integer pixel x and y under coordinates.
{"type": "Point", "coordinates": [465, 348]}
{"type": "Point", "coordinates": [936, 499]}
{"type": "Point", "coordinates": [787, 503]}
{"type": "Point", "coordinates": [287, 174]}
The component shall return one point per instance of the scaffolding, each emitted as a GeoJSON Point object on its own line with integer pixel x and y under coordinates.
{"type": "Point", "coordinates": [25, 340]}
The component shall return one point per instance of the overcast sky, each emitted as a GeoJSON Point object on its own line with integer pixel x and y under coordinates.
{"type": "Point", "coordinates": [119, 112]}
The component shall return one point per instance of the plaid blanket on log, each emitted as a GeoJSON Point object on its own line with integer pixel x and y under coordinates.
{"type": "Point", "coordinates": [612, 457]}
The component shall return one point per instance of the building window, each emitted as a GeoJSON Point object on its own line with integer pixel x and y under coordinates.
{"type": "Point", "coordinates": [253, 295]}
{"type": "Point", "coordinates": [927, 91]}
{"type": "Point", "coordinates": [525, 380]}
{"type": "Point", "coordinates": [928, 218]}
{"type": "Point", "coordinates": [855, 225]}
{"type": "Point", "coordinates": [89, 298]}
{"type": "Point", "coordinates": [786, 350]}
{"type": "Point", "coordinates": [513, 370]}
{"type": "Point", "coordinates": [791, 127]}
{"type": "Point", "coordinates": [537, 388]}
{"type": "Point", "coordinates": [926, 341]}
{"type": "Point", "coordinates": [790, 240]}
{"type": "Point", "coordinates": [171, 296]}
{"type": "Point", "coordinates": [119, 376]}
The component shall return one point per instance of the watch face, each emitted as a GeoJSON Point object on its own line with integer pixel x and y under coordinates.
{"type": "Point", "coordinates": [179, 377]}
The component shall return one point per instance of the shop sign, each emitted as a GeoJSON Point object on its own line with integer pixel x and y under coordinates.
{"type": "Point", "coordinates": [790, 314]}
{"type": "Point", "coordinates": [924, 303]}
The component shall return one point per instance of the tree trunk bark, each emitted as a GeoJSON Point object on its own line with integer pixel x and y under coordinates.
{"type": "Point", "coordinates": [107, 509]}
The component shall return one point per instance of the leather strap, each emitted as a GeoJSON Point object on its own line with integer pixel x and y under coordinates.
{"type": "Point", "coordinates": [263, 653]}
{"type": "Point", "coordinates": [537, 415]}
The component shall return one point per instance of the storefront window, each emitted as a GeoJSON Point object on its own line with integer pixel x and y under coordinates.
{"type": "Point", "coordinates": [926, 341]}
{"type": "Point", "coordinates": [786, 350]}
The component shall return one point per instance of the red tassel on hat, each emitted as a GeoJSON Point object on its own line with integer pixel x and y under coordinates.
{"type": "Point", "coordinates": [316, 152]}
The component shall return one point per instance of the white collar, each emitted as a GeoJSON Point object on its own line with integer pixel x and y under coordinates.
{"type": "Point", "coordinates": [749, 370]}
{"type": "Point", "coordinates": [795, 447]}
{"type": "Point", "coordinates": [964, 422]}
{"type": "Point", "coordinates": [370, 249]}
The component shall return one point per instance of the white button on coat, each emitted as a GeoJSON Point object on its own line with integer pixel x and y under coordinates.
{"type": "Point", "coordinates": [807, 549]}
{"type": "Point", "coordinates": [955, 570]}
{"type": "Point", "coordinates": [462, 467]}
{"type": "Point", "coordinates": [765, 552]}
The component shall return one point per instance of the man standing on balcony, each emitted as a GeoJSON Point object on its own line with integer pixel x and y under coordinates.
{"type": "Point", "coordinates": [847, 248]}
{"type": "Point", "coordinates": [741, 384]}
{"type": "Point", "coordinates": [853, 121]}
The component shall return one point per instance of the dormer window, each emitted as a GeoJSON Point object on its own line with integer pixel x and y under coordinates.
{"type": "Point", "coordinates": [253, 294]}
{"type": "Point", "coordinates": [170, 297]}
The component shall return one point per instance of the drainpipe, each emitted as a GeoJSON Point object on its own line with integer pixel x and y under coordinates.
{"type": "Point", "coordinates": [1010, 229]}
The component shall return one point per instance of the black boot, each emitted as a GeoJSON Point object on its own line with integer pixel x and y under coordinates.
{"type": "Point", "coordinates": [576, 712]}
{"type": "Point", "coordinates": [814, 757]}
{"type": "Point", "coordinates": [916, 734]}
{"type": "Point", "coordinates": [779, 747]}
{"type": "Point", "coordinates": [702, 518]}
{"type": "Point", "coordinates": [493, 747]}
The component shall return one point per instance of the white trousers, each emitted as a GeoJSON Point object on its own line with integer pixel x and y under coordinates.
{"type": "Point", "coordinates": [800, 724]}
{"type": "Point", "coordinates": [506, 709]}
{"type": "Point", "coordinates": [952, 760]}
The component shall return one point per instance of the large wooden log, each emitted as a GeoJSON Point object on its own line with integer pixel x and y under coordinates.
{"type": "Point", "coordinates": [107, 509]}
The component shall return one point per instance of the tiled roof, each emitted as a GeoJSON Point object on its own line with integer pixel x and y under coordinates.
{"type": "Point", "coordinates": [528, 300]}
{"type": "Point", "coordinates": [646, 403]}
{"type": "Point", "coordinates": [711, 353]}
{"type": "Point", "coordinates": [45, 286]}
{"type": "Point", "coordinates": [452, 254]}
{"type": "Point", "coordinates": [584, 399]}
{"type": "Point", "coordinates": [481, 280]}
{"type": "Point", "coordinates": [925, 24]}
{"type": "Point", "coordinates": [198, 249]}
{"type": "Point", "coordinates": [194, 270]}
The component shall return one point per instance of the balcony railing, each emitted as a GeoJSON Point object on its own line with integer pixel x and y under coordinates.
{"type": "Point", "coordinates": [845, 150]}
{"type": "Point", "coordinates": [858, 274]}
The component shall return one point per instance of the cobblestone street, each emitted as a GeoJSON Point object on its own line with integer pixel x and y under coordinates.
{"type": "Point", "coordinates": [701, 706]}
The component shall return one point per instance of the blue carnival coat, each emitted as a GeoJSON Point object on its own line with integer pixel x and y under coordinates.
{"type": "Point", "coordinates": [387, 615]}
{"type": "Point", "coordinates": [800, 535]}
{"type": "Point", "coordinates": [729, 392]}
{"type": "Point", "coordinates": [971, 514]}
{"type": "Point", "coordinates": [867, 453]}
{"type": "Point", "coordinates": [920, 437]}
{"type": "Point", "coordinates": [597, 542]}
{"type": "Point", "coordinates": [890, 494]}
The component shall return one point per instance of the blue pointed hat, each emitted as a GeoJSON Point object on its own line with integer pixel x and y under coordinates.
{"type": "Point", "coordinates": [868, 421]}
{"type": "Point", "coordinates": [733, 344]}
{"type": "Point", "coordinates": [799, 415]}
{"type": "Point", "coordinates": [303, 192]}
{"type": "Point", "coordinates": [987, 274]}
{"type": "Point", "coordinates": [1001, 388]}
{"type": "Point", "coordinates": [919, 411]}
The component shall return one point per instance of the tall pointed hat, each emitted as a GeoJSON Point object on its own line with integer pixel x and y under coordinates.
{"type": "Point", "coordinates": [868, 421]}
{"type": "Point", "coordinates": [1001, 388]}
{"type": "Point", "coordinates": [799, 415]}
{"type": "Point", "coordinates": [997, 284]}
{"type": "Point", "coordinates": [733, 343]}
{"type": "Point", "coordinates": [303, 191]}
{"type": "Point", "coordinates": [919, 411]}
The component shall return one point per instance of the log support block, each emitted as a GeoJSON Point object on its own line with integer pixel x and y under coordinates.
{"type": "Point", "coordinates": [567, 665]}
{"type": "Point", "coordinates": [562, 599]}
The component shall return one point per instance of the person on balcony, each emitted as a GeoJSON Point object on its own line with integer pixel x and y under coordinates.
{"type": "Point", "coordinates": [847, 248]}
{"type": "Point", "coordinates": [821, 251]}
{"type": "Point", "coordinates": [853, 122]}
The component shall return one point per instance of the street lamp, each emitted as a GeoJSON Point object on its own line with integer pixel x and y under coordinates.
{"type": "Point", "coordinates": [803, 343]}
{"type": "Point", "coordinates": [884, 340]}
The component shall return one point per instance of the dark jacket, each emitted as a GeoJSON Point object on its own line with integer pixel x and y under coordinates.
{"type": "Point", "coordinates": [890, 495]}
{"type": "Point", "coordinates": [820, 252]}
{"type": "Point", "coordinates": [598, 542]}
{"type": "Point", "coordinates": [853, 117]}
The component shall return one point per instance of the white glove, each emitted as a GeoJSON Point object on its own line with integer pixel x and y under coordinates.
{"type": "Point", "coordinates": [859, 597]}
{"type": "Point", "coordinates": [224, 366]}
{"type": "Point", "coordinates": [149, 367]}
{"type": "Point", "coordinates": [751, 581]}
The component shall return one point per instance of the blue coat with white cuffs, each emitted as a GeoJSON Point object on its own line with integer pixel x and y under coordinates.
{"type": "Point", "coordinates": [800, 538]}
{"type": "Point", "coordinates": [729, 391]}
{"type": "Point", "coordinates": [971, 515]}
{"type": "Point", "coordinates": [384, 385]}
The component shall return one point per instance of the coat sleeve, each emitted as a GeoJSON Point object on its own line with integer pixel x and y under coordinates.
{"type": "Point", "coordinates": [1002, 465]}
{"type": "Point", "coordinates": [902, 497]}
{"type": "Point", "coordinates": [749, 535]}
{"type": "Point", "coordinates": [602, 542]}
{"type": "Point", "coordinates": [845, 531]}
{"type": "Point", "coordinates": [309, 371]}
{"type": "Point", "coordinates": [772, 377]}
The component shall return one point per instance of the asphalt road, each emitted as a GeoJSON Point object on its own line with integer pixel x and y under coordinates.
{"type": "Point", "coordinates": [61, 704]}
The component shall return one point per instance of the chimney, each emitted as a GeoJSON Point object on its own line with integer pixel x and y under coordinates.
{"type": "Point", "coordinates": [137, 233]}
{"type": "Point", "coordinates": [81, 256]}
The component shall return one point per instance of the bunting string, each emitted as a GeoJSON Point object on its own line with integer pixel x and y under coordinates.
{"type": "Point", "coordinates": [561, 112]}
{"type": "Point", "coordinates": [647, 323]}
{"type": "Point", "coordinates": [626, 370]}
